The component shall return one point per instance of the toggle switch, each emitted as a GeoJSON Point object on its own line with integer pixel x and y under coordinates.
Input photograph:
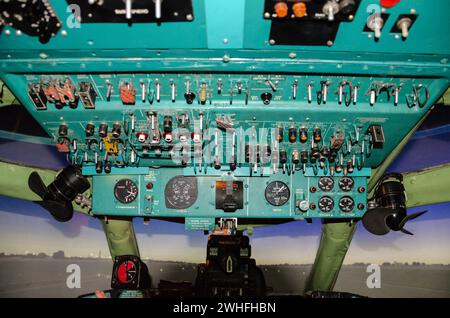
{"type": "Point", "coordinates": [89, 130]}
{"type": "Point", "coordinates": [158, 91]}
{"type": "Point", "coordinates": [292, 132]}
{"type": "Point", "coordinates": [310, 86]}
{"type": "Point", "coordinates": [128, 8]}
{"type": "Point", "coordinates": [103, 130]}
{"type": "Point", "coordinates": [330, 9]}
{"type": "Point", "coordinates": [375, 23]}
{"type": "Point", "coordinates": [157, 9]}
{"type": "Point", "coordinates": [294, 89]}
{"type": "Point", "coordinates": [62, 130]}
{"type": "Point", "coordinates": [283, 159]}
{"type": "Point", "coordinates": [116, 130]}
{"type": "Point", "coordinates": [172, 91]}
{"type": "Point", "coordinates": [404, 24]}
{"type": "Point", "coordinates": [143, 92]}
{"type": "Point", "coordinates": [279, 134]}
{"type": "Point", "coordinates": [188, 95]}
{"type": "Point", "coordinates": [108, 90]}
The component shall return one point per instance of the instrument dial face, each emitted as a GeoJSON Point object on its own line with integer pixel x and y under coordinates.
{"type": "Point", "coordinates": [277, 193]}
{"type": "Point", "coordinates": [125, 191]}
{"type": "Point", "coordinates": [126, 272]}
{"type": "Point", "coordinates": [346, 184]}
{"type": "Point", "coordinates": [326, 184]}
{"type": "Point", "coordinates": [346, 204]}
{"type": "Point", "coordinates": [181, 192]}
{"type": "Point", "coordinates": [326, 204]}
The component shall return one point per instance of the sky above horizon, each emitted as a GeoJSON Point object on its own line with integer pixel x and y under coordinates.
{"type": "Point", "coordinates": [26, 227]}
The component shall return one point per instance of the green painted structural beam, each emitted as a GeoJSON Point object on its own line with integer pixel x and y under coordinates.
{"type": "Point", "coordinates": [119, 232]}
{"type": "Point", "coordinates": [334, 243]}
{"type": "Point", "coordinates": [120, 236]}
{"type": "Point", "coordinates": [420, 191]}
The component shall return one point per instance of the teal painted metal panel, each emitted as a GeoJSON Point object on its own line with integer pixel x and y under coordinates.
{"type": "Point", "coordinates": [151, 203]}
{"type": "Point", "coordinates": [224, 33]}
{"type": "Point", "coordinates": [196, 51]}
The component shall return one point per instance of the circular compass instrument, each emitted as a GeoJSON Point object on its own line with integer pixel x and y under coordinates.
{"type": "Point", "coordinates": [346, 204]}
{"type": "Point", "coordinates": [277, 193]}
{"type": "Point", "coordinates": [125, 191]}
{"type": "Point", "coordinates": [326, 184]}
{"type": "Point", "coordinates": [326, 204]}
{"type": "Point", "coordinates": [346, 184]}
{"type": "Point", "coordinates": [181, 192]}
{"type": "Point", "coordinates": [126, 272]}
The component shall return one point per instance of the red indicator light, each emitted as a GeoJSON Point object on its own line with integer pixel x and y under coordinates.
{"type": "Point", "coordinates": [389, 3]}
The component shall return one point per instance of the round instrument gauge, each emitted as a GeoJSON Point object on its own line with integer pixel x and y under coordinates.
{"type": "Point", "coordinates": [125, 191]}
{"type": "Point", "coordinates": [346, 204]}
{"type": "Point", "coordinates": [326, 184]}
{"type": "Point", "coordinates": [277, 193]}
{"type": "Point", "coordinates": [326, 204]}
{"type": "Point", "coordinates": [181, 192]}
{"type": "Point", "coordinates": [346, 184]}
{"type": "Point", "coordinates": [126, 272]}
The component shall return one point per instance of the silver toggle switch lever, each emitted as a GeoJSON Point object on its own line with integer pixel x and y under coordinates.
{"type": "Point", "coordinates": [294, 89]}
{"type": "Point", "coordinates": [158, 91]}
{"type": "Point", "coordinates": [108, 90]}
{"type": "Point", "coordinates": [375, 23]}
{"type": "Point", "coordinates": [143, 92]}
{"type": "Point", "coordinates": [330, 9]}
{"type": "Point", "coordinates": [133, 122]}
{"type": "Point", "coordinates": [355, 94]}
{"type": "Point", "coordinates": [157, 9]}
{"type": "Point", "coordinates": [404, 24]}
{"type": "Point", "coordinates": [272, 85]}
{"type": "Point", "coordinates": [172, 91]}
{"type": "Point", "coordinates": [373, 96]}
{"type": "Point", "coordinates": [310, 86]}
{"type": "Point", "coordinates": [128, 13]}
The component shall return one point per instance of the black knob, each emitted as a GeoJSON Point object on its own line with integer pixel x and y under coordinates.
{"type": "Point", "coordinates": [292, 135]}
{"type": "Point", "coordinates": [266, 98]}
{"type": "Point", "coordinates": [116, 130]}
{"type": "Point", "coordinates": [99, 167]}
{"type": "Point", "coordinates": [167, 123]}
{"type": "Point", "coordinates": [103, 130]}
{"type": "Point", "coordinates": [189, 97]}
{"type": "Point", "coordinates": [107, 166]}
{"type": "Point", "coordinates": [89, 130]}
{"type": "Point", "coordinates": [283, 156]}
{"type": "Point", "coordinates": [62, 131]}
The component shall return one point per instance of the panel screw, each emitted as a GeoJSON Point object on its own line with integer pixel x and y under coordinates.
{"type": "Point", "coordinates": [329, 43]}
{"type": "Point", "coordinates": [266, 15]}
{"type": "Point", "coordinates": [271, 41]}
{"type": "Point", "coordinates": [226, 58]}
{"type": "Point", "coordinates": [292, 55]}
{"type": "Point", "coordinates": [189, 17]}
